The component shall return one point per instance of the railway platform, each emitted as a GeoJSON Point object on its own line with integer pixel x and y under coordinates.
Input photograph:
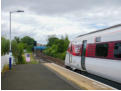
{"type": "Point", "coordinates": [80, 80]}
{"type": "Point", "coordinates": [33, 77]}
{"type": "Point", "coordinates": [47, 76]}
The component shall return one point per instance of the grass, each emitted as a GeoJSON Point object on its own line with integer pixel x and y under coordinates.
{"type": "Point", "coordinates": [32, 59]}
{"type": "Point", "coordinates": [5, 68]}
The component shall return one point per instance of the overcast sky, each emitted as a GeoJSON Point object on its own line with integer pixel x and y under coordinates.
{"type": "Point", "coordinates": [59, 17]}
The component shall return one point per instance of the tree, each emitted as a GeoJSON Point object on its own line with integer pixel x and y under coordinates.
{"type": "Point", "coordinates": [28, 40]}
{"type": "Point", "coordinates": [20, 52]}
{"type": "Point", "coordinates": [4, 46]}
{"type": "Point", "coordinates": [28, 43]}
{"type": "Point", "coordinates": [52, 40]}
{"type": "Point", "coordinates": [18, 45]}
{"type": "Point", "coordinates": [57, 47]}
{"type": "Point", "coordinates": [17, 39]}
{"type": "Point", "coordinates": [61, 46]}
{"type": "Point", "coordinates": [66, 42]}
{"type": "Point", "coordinates": [17, 50]}
{"type": "Point", "coordinates": [14, 48]}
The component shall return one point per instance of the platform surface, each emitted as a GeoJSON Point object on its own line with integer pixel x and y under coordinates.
{"type": "Point", "coordinates": [82, 81]}
{"type": "Point", "coordinates": [33, 77]}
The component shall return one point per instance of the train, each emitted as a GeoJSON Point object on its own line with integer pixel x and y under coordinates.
{"type": "Point", "coordinates": [97, 52]}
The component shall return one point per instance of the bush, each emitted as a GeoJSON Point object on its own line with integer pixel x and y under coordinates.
{"type": "Point", "coordinates": [61, 55]}
{"type": "Point", "coordinates": [4, 46]}
{"type": "Point", "coordinates": [19, 54]}
{"type": "Point", "coordinates": [57, 47]}
{"type": "Point", "coordinates": [18, 45]}
{"type": "Point", "coordinates": [17, 50]}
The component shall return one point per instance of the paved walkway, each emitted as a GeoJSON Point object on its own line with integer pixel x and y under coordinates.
{"type": "Point", "coordinates": [33, 77]}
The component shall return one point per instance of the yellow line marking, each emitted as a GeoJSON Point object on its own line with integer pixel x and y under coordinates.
{"type": "Point", "coordinates": [81, 81]}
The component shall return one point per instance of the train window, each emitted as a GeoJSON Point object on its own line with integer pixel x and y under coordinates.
{"type": "Point", "coordinates": [101, 50]}
{"type": "Point", "coordinates": [77, 48]}
{"type": "Point", "coordinates": [117, 50]}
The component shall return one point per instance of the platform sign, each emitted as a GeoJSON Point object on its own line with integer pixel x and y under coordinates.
{"type": "Point", "coordinates": [27, 57]}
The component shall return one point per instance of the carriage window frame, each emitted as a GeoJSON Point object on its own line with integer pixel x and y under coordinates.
{"type": "Point", "coordinates": [115, 45]}
{"type": "Point", "coordinates": [100, 52]}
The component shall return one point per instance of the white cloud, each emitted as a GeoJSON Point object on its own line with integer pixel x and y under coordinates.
{"type": "Point", "coordinates": [74, 22]}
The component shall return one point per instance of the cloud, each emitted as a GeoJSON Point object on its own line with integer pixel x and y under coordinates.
{"type": "Point", "coordinates": [57, 6]}
{"type": "Point", "coordinates": [59, 17]}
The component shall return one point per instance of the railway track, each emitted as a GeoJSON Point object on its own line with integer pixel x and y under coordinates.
{"type": "Point", "coordinates": [97, 78]}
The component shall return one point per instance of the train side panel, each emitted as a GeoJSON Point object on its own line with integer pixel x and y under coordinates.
{"type": "Point", "coordinates": [74, 61]}
{"type": "Point", "coordinates": [110, 69]}
{"type": "Point", "coordinates": [67, 63]}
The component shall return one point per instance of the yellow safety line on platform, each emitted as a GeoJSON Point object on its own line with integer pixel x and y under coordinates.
{"type": "Point", "coordinates": [81, 81]}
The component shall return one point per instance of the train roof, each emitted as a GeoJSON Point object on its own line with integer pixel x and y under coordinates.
{"type": "Point", "coordinates": [99, 30]}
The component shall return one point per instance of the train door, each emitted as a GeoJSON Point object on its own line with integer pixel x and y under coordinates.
{"type": "Point", "coordinates": [83, 52]}
{"type": "Point", "coordinates": [70, 56]}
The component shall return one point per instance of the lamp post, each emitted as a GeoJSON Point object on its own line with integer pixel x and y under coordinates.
{"type": "Point", "coordinates": [10, 52]}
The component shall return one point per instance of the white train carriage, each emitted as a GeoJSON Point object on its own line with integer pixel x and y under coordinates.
{"type": "Point", "coordinates": [97, 53]}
